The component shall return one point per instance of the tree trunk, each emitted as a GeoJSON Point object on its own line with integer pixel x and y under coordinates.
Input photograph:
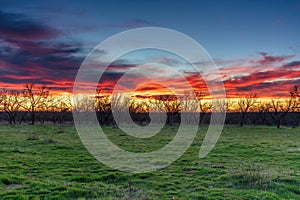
{"type": "Point", "coordinates": [32, 117]}
{"type": "Point", "coordinates": [201, 118]}
{"type": "Point", "coordinates": [278, 124]}
{"type": "Point", "coordinates": [242, 120]}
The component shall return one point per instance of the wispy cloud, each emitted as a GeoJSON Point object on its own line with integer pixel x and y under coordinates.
{"type": "Point", "coordinates": [133, 23]}
{"type": "Point", "coordinates": [268, 59]}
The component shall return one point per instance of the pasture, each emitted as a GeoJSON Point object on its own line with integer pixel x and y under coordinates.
{"type": "Point", "coordinates": [50, 162]}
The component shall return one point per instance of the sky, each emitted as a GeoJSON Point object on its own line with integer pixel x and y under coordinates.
{"type": "Point", "coordinates": [255, 44]}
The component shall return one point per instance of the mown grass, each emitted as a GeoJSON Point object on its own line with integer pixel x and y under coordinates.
{"type": "Point", "coordinates": [49, 162]}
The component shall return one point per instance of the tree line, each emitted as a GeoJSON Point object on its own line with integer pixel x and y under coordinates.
{"type": "Point", "coordinates": [35, 103]}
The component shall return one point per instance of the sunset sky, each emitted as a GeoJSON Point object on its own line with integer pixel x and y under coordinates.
{"type": "Point", "coordinates": [255, 44]}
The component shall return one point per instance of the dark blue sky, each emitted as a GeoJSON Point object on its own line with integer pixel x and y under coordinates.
{"type": "Point", "coordinates": [227, 29]}
{"type": "Point", "coordinates": [56, 35]}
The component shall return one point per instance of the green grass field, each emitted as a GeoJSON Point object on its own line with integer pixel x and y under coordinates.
{"type": "Point", "coordinates": [50, 162]}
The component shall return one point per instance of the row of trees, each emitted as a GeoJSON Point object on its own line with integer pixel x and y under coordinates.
{"type": "Point", "coordinates": [18, 105]}
{"type": "Point", "coordinates": [274, 108]}
{"type": "Point", "coordinates": [249, 109]}
{"type": "Point", "coordinates": [32, 103]}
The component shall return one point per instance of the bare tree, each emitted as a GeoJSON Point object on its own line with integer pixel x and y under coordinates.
{"type": "Point", "coordinates": [10, 103]}
{"type": "Point", "coordinates": [139, 110]}
{"type": "Point", "coordinates": [263, 111]}
{"type": "Point", "coordinates": [253, 115]}
{"type": "Point", "coordinates": [279, 108]}
{"type": "Point", "coordinates": [35, 99]}
{"type": "Point", "coordinates": [83, 103]}
{"type": "Point", "coordinates": [64, 106]}
{"type": "Point", "coordinates": [103, 107]}
{"type": "Point", "coordinates": [172, 107]}
{"type": "Point", "coordinates": [138, 106]}
{"type": "Point", "coordinates": [295, 93]}
{"type": "Point", "coordinates": [224, 105]}
{"type": "Point", "coordinates": [82, 107]}
{"type": "Point", "coordinates": [57, 107]}
{"type": "Point", "coordinates": [157, 106]}
{"type": "Point", "coordinates": [204, 106]}
{"type": "Point", "coordinates": [244, 105]}
{"type": "Point", "coordinates": [190, 105]}
{"type": "Point", "coordinates": [119, 105]}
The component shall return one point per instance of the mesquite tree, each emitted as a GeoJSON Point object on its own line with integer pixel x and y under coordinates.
{"type": "Point", "coordinates": [10, 103]}
{"type": "Point", "coordinates": [244, 105]}
{"type": "Point", "coordinates": [35, 99]}
{"type": "Point", "coordinates": [279, 108]}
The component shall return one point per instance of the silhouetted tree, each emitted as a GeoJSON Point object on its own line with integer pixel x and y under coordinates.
{"type": "Point", "coordinates": [139, 110]}
{"type": "Point", "coordinates": [172, 107]}
{"type": "Point", "coordinates": [263, 111]}
{"type": "Point", "coordinates": [225, 105]}
{"type": "Point", "coordinates": [204, 106]}
{"type": "Point", "coordinates": [253, 114]}
{"type": "Point", "coordinates": [244, 104]}
{"type": "Point", "coordinates": [190, 104]}
{"type": "Point", "coordinates": [63, 106]}
{"type": "Point", "coordinates": [10, 103]}
{"type": "Point", "coordinates": [83, 103]}
{"type": "Point", "coordinates": [56, 108]}
{"type": "Point", "coordinates": [157, 106]}
{"type": "Point", "coordinates": [295, 93]}
{"type": "Point", "coordinates": [279, 108]}
{"type": "Point", "coordinates": [120, 104]}
{"type": "Point", "coordinates": [35, 99]}
{"type": "Point", "coordinates": [103, 107]}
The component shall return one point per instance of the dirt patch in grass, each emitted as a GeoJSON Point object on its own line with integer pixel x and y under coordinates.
{"type": "Point", "coordinates": [11, 186]}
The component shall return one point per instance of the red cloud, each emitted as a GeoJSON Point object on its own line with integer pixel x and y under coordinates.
{"type": "Point", "coordinates": [265, 83]}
